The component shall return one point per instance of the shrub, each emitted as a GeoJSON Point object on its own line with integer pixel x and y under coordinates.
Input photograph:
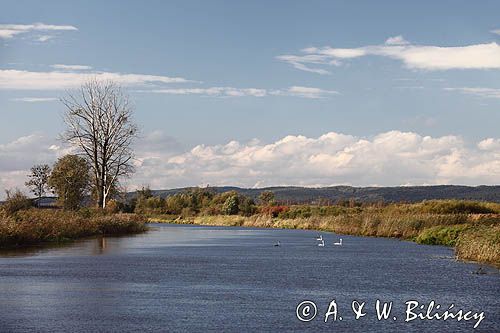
{"type": "Point", "coordinates": [16, 201]}
{"type": "Point", "coordinates": [112, 207]}
{"type": "Point", "coordinates": [274, 211]}
{"type": "Point", "coordinates": [441, 235]}
{"type": "Point", "coordinates": [457, 207]}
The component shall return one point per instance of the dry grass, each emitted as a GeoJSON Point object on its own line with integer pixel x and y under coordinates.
{"type": "Point", "coordinates": [481, 243]}
{"type": "Point", "coordinates": [34, 226]}
{"type": "Point", "coordinates": [476, 236]}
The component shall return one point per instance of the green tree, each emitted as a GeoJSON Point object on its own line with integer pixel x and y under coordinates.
{"type": "Point", "coordinates": [144, 193]}
{"type": "Point", "coordinates": [38, 179]}
{"type": "Point", "coordinates": [230, 206]}
{"type": "Point", "coordinates": [267, 198]}
{"type": "Point", "coordinates": [247, 206]}
{"type": "Point", "coordinates": [70, 180]}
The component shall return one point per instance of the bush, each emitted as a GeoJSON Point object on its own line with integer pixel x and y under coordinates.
{"type": "Point", "coordinates": [149, 205]}
{"type": "Point", "coordinates": [441, 235]}
{"type": "Point", "coordinates": [16, 201]}
{"type": "Point", "coordinates": [458, 207]}
{"type": "Point", "coordinates": [274, 211]}
{"type": "Point", "coordinates": [112, 207]}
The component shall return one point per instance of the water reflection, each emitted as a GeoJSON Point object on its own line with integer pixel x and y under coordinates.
{"type": "Point", "coordinates": [189, 278]}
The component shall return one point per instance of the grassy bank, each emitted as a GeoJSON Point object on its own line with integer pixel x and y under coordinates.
{"type": "Point", "coordinates": [36, 226]}
{"type": "Point", "coordinates": [472, 228]}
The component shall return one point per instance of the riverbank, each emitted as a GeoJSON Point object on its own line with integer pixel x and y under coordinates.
{"type": "Point", "coordinates": [45, 226]}
{"type": "Point", "coordinates": [475, 237]}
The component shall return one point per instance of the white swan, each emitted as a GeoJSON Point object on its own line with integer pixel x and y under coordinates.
{"type": "Point", "coordinates": [277, 244]}
{"type": "Point", "coordinates": [322, 243]}
{"type": "Point", "coordinates": [320, 238]}
{"type": "Point", "coordinates": [338, 243]}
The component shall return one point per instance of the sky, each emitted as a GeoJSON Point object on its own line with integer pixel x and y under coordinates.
{"type": "Point", "coordinates": [263, 93]}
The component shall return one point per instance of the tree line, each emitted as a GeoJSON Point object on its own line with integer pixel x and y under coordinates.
{"type": "Point", "coordinates": [200, 201]}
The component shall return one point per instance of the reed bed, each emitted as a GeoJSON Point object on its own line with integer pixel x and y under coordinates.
{"type": "Point", "coordinates": [35, 226]}
{"type": "Point", "coordinates": [481, 243]}
{"type": "Point", "coordinates": [473, 228]}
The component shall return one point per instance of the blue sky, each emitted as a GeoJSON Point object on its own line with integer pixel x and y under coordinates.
{"type": "Point", "coordinates": [259, 71]}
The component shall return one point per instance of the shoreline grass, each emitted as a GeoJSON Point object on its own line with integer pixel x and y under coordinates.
{"type": "Point", "coordinates": [46, 226]}
{"type": "Point", "coordinates": [475, 236]}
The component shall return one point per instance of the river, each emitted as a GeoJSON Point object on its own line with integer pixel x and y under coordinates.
{"type": "Point", "coordinates": [197, 279]}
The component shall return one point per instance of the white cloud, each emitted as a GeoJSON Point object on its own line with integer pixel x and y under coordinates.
{"type": "Point", "coordinates": [71, 67]}
{"type": "Point", "coordinates": [477, 56]}
{"type": "Point", "coordinates": [489, 144]}
{"type": "Point", "coordinates": [478, 91]}
{"type": "Point", "coordinates": [17, 157]}
{"type": "Point", "coordinates": [389, 158]}
{"type": "Point", "coordinates": [8, 31]}
{"type": "Point", "coordinates": [57, 80]}
{"type": "Point", "coordinates": [44, 38]}
{"type": "Point", "coordinates": [305, 92]}
{"type": "Point", "coordinates": [496, 31]}
{"type": "Point", "coordinates": [396, 40]}
{"type": "Point", "coordinates": [299, 62]}
{"type": "Point", "coordinates": [214, 91]}
{"type": "Point", "coordinates": [35, 99]}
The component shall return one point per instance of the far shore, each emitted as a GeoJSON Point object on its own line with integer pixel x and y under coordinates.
{"type": "Point", "coordinates": [474, 237]}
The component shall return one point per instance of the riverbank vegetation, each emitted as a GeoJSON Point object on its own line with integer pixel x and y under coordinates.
{"type": "Point", "coordinates": [23, 225]}
{"type": "Point", "coordinates": [473, 228]}
{"type": "Point", "coordinates": [39, 226]}
{"type": "Point", "coordinates": [102, 133]}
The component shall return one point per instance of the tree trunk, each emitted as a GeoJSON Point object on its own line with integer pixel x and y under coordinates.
{"type": "Point", "coordinates": [100, 195]}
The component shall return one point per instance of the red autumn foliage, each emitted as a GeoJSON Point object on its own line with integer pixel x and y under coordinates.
{"type": "Point", "coordinates": [274, 211]}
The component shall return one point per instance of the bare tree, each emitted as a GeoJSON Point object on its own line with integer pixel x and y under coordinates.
{"type": "Point", "coordinates": [99, 120]}
{"type": "Point", "coordinates": [38, 179]}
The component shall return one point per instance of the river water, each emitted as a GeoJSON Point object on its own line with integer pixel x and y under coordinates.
{"type": "Point", "coordinates": [178, 278]}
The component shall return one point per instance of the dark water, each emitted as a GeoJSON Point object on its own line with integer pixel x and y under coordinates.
{"type": "Point", "coordinates": [197, 279]}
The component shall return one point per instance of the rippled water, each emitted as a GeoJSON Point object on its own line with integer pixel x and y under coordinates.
{"type": "Point", "coordinates": [192, 278]}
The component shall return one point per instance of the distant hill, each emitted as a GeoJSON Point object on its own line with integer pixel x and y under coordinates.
{"type": "Point", "coordinates": [296, 194]}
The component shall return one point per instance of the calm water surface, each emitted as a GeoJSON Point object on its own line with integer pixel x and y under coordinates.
{"type": "Point", "coordinates": [198, 279]}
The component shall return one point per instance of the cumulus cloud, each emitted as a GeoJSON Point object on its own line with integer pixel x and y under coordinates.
{"type": "Point", "coordinates": [387, 159]}
{"type": "Point", "coordinates": [297, 91]}
{"type": "Point", "coordinates": [477, 91]}
{"type": "Point", "coordinates": [396, 40]}
{"type": "Point", "coordinates": [17, 156]}
{"type": "Point", "coordinates": [8, 31]}
{"type": "Point", "coordinates": [489, 144]}
{"type": "Point", "coordinates": [390, 158]}
{"type": "Point", "coordinates": [476, 56]}
{"type": "Point", "coordinates": [58, 80]}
